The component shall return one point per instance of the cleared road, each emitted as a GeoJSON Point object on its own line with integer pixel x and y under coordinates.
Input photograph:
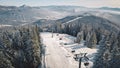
{"type": "Point", "coordinates": [55, 55]}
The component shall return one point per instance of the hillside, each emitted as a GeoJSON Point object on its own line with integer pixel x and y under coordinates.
{"type": "Point", "coordinates": [20, 47]}
{"type": "Point", "coordinates": [59, 37]}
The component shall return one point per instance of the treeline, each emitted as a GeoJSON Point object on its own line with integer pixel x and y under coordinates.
{"type": "Point", "coordinates": [90, 28]}
{"type": "Point", "coordinates": [108, 55]}
{"type": "Point", "coordinates": [20, 47]}
{"type": "Point", "coordinates": [96, 32]}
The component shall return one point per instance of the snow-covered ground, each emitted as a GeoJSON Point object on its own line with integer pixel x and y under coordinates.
{"type": "Point", "coordinates": [74, 19]}
{"type": "Point", "coordinates": [5, 25]}
{"type": "Point", "coordinates": [58, 52]}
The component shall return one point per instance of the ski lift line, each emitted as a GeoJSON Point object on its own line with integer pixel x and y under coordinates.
{"type": "Point", "coordinates": [80, 57]}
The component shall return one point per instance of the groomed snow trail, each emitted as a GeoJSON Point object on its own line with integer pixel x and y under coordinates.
{"type": "Point", "coordinates": [55, 55]}
{"type": "Point", "coordinates": [58, 52]}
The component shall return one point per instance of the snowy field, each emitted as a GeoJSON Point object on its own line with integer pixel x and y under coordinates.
{"type": "Point", "coordinates": [58, 51]}
{"type": "Point", "coordinates": [4, 25]}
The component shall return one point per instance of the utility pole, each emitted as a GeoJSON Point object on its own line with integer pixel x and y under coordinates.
{"type": "Point", "coordinates": [52, 32]}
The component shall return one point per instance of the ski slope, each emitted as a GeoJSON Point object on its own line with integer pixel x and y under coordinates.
{"type": "Point", "coordinates": [73, 20]}
{"type": "Point", "coordinates": [5, 25]}
{"type": "Point", "coordinates": [58, 52]}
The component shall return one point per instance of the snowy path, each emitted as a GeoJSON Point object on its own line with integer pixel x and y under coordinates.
{"type": "Point", "coordinates": [56, 57]}
{"type": "Point", "coordinates": [73, 20]}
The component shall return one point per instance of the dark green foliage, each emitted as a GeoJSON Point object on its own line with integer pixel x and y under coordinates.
{"type": "Point", "coordinates": [91, 40]}
{"type": "Point", "coordinates": [20, 47]}
{"type": "Point", "coordinates": [115, 61]}
{"type": "Point", "coordinates": [109, 54]}
{"type": "Point", "coordinates": [99, 62]}
{"type": "Point", "coordinates": [59, 27]}
{"type": "Point", "coordinates": [80, 36]}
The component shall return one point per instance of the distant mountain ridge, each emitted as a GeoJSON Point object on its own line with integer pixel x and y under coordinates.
{"type": "Point", "coordinates": [12, 15]}
{"type": "Point", "coordinates": [108, 8]}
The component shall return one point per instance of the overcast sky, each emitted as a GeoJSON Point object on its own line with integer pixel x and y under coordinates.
{"type": "Point", "coordinates": [86, 3]}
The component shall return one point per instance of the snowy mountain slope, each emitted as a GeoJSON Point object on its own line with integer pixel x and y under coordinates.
{"type": "Point", "coordinates": [26, 14]}
{"type": "Point", "coordinates": [77, 23]}
{"type": "Point", "coordinates": [58, 52]}
{"type": "Point", "coordinates": [110, 15]}
{"type": "Point", "coordinates": [86, 23]}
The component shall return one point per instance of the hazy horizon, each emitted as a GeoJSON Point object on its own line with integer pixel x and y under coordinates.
{"type": "Point", "coordinates": [84, 3]}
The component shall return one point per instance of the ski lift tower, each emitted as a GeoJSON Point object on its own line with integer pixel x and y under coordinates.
{"type": "Point", "coordinates": [80, 57]}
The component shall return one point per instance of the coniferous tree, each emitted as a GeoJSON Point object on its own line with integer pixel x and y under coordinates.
{"type": "Point", "coordinates": [20, 47]}
{"type": "Point", "coordinates": [80, 36]}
